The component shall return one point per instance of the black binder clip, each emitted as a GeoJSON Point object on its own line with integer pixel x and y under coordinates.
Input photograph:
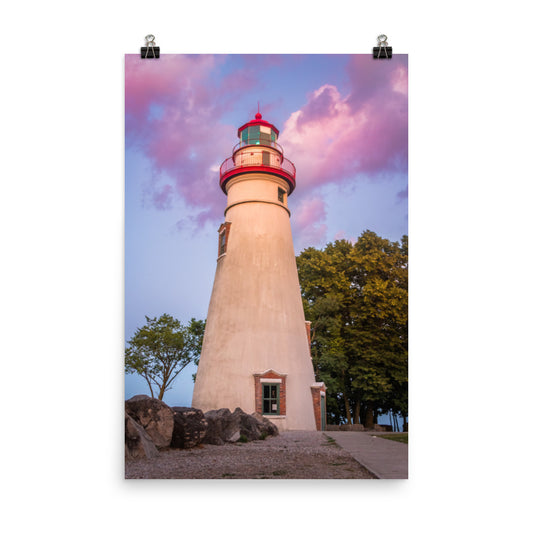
{"type": "Point", "coordinates": [149, 51]}
{"type": "Point", "coordinates": [383, 51]}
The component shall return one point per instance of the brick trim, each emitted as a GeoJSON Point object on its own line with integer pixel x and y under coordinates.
{"type": "Point", "coordinates": [317, 391]}
{"type": "Point", "coordinates": [260, 379]}
{"type": "Point", "coordinates": [308, 330]}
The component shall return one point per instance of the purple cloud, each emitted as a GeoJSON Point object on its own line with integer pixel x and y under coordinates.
{"type": "Point", "coordinates": [174, 110]}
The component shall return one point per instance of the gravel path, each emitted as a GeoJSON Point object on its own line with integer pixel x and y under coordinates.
{"type": "Point", "coordinates": [291, 455]}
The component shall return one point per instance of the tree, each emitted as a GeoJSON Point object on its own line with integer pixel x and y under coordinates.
{"type": "Point", "coordinates": [162, 348]}
{"type": "Point", "coordinates": [355, 295]}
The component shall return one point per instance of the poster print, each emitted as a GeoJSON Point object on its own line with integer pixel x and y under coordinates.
{"type": "Point", "coordinates": [265, 265]}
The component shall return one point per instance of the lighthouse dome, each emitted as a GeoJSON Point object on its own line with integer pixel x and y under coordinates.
{"type": "Point", "coordinates": [258, 131]}
{"type": "Point", "coordinates": [257, 152]}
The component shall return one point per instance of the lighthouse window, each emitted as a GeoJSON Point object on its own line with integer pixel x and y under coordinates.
{"type": "Point", "coordinates": [223, 233]}
{"type": "Point", "coordinates": [281, 195]}
{"type": "Point", "coordinates": [270, 399]}
{"type": "Point", "coordinates": [264, 138]}
{"type": "Point", "coordinates": [253, 135]}
{"type": "Point", "coordinates": [260, 135]}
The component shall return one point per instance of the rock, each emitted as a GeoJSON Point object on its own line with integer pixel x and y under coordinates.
{"type": "Point", "coordinates": [225, 426]}
{"type": "Point", "coordinates": [190, 427]}
{"type": "Point", "coordinates": [156, 417]}
{"type": "Point", "coordinates": [138, 442]}
{"type": "Point", "coordinates": [221, 427]}
{"type": "Point", "coordinates": [250, 426]}
{"type": "Point", "coordinates": [266, 427]}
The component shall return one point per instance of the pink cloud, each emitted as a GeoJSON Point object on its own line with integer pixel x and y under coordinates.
{"type": "Point", "coordinates": [174, 109]}
{"type": "Point", "coordinates": [308, 221]}
{"type": "Point", "coordinates": [173, 117]}
{"type": "Point", "coordinates": [336, 137]}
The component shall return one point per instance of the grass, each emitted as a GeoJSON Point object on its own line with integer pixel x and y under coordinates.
{"type": "Point", "coordinates": [331, 442]}
{"type": "Point", "coordinates": [397, 438]}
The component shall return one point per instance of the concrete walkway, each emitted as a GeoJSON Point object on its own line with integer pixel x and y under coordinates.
{"type": "Point", "coordinates": [385, 458]}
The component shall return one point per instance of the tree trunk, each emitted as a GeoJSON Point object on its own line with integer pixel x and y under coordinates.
{"type": "Point", "coordinates": [149, 385]}
{"type": "Point", "coordinates": [357, 414]}
{"type": "Point", "coordinates": [347, 407]}
{"type": "Point", "coordinates": [369, 418]}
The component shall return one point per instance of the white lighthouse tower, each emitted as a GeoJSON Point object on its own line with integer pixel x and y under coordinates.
{"type": "Point", "coordinates": [255, 353]}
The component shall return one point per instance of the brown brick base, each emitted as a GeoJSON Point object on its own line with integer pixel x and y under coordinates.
{"type": "Point", "coordinates": [316, 391]}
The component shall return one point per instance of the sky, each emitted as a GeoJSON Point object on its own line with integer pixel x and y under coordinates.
{"type": "Point", "coordinates": [342, 122]}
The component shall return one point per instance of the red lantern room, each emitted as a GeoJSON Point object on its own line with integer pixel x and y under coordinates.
{"type": "Point", "coordinates": [257, 152]}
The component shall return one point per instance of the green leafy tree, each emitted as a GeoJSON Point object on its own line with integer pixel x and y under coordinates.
{"type": "Point", "coordinates": [355, 295]}
{"type": "Point", "coordinates": [161, 349]}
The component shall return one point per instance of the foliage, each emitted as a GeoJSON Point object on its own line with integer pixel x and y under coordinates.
{"type": "Point", "coordinates": [355, 295]}
{"type": "Point", "coordinates": [162, 348]}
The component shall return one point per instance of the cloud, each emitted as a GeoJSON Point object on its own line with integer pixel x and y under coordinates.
{"type": "Point", "coordinates": [162, 197]}
{"type": "Point", "coordinates": [339, 139]}
{"type": "Point", "coordinates": [336, 138]}
{"type": "Point", "coordinates": [308, 222]}
{"type": "Point", "coordinates": [173, 116]}
{"type": "Point", "coordinates": [402, 195]}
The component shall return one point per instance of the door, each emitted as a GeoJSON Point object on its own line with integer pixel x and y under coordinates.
{"type": "Point", "coordinates": [266, 159]}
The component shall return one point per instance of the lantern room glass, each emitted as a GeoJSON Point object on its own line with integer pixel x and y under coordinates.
{"type": "Point", "coordinates": [260, 135]}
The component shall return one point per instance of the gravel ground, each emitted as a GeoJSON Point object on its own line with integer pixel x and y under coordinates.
{"type": "Point", "coordinates": [291, 455]}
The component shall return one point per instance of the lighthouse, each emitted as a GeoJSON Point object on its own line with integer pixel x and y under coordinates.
{"type": "Point", "coordinates": [256, 353]}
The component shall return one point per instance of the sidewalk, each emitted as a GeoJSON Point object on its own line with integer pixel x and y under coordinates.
{"type": "Point", "coordinates": [386, 459]}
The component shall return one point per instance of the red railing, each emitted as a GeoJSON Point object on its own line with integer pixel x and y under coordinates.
{"type": "Point", "coordinates": [257, 142]}
{"type": "Point", "coordinates": [286, 167]}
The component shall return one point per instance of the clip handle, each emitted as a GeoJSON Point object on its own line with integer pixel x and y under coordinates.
{"type": "Point", "coordinates": [150, 51]}
{"type": "Point", "coordinates": [383, 51]}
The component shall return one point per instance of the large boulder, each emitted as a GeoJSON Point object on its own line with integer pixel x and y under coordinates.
{"type": "Point", "coordinates": [155, 416]}
{"type": "Point", "coordinates": [225, 426]}
{"type": "Point", "coordinates": [190, 427]}
{"type": "Point", "coordinates": [221, 427]}
{"type": "Point", "coordinates": [138, 442]}
{"type": "Point", "coordinates": [250, 426]}
{"type": "Point", "coordinates": [266, 427]}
